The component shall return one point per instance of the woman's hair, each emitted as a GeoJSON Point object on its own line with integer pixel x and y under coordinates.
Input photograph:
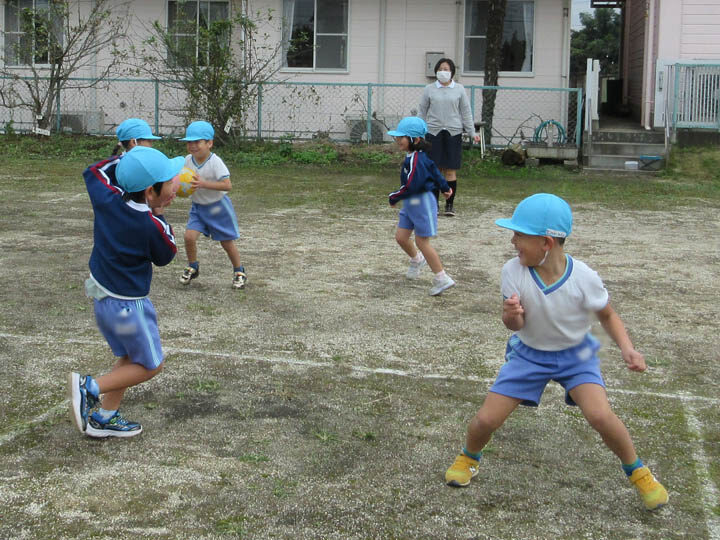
{"type": "Point", "coordinates": [139, 196]}
{"type": "Point", "coordinates": [422, 144]}
{"type": "Point", "coordinates": [450, 63]}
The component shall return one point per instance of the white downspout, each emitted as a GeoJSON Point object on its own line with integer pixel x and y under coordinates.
{"type": "Point", "coordinates": [380, 105]}
{"type": "Point", "coordinates": [565, 59]}
{"type": "Point", "coordinates": [459, 33]}
{"type": "Point", "coordinates": [649, 64]}
{"type": "Point", "coordinates": [381, 42]}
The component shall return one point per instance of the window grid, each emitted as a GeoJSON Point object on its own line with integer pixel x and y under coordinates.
{"type": "Point", "coordinates": [206, 12]}
{"type": "Point", "coordinates": [21, 46]}
{"type": "Point", "coordinates": [315, 45]}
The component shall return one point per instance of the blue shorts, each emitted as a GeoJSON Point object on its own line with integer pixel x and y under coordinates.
{"type": "Point", "coordinates": [527, 371]}
{"type": "Point", "coordinates": [216, 220]}
{"type": "Point", "coordinates": [130, 328]}
{"type": "Point", "coordinates": [419, 212]}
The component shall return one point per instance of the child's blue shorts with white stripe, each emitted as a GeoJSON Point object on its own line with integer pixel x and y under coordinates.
{"type": "Point", "coordinates": [216, 220]}
{"type": "Point", "coordinates": [419, 212]}
{"type": "Point", "coordinates": [527, 371]}
{"type": "Point", "coordinates": [130, 328]}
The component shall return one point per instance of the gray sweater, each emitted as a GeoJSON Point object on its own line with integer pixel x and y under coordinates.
{"type": "Point", "coordinates": [446, 107]}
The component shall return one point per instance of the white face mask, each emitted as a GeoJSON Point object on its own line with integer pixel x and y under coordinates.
{"type": "Point", "coordinates": [443, 76]}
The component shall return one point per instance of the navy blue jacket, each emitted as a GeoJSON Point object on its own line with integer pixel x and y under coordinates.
{"type": "Point", "coordinates": [418, 175]}
{"type": "Point", "coordinates": [128, 237]}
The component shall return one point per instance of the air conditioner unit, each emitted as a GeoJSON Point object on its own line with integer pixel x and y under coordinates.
{"type": "Point", "coordinates": [79, 122]}
{"type": "Point", "coordinates": [379, 126]}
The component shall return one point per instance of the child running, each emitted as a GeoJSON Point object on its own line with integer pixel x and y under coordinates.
{"type": "Point", "coordinates": [212, 212]}
{"type": "Point", "coordinates": [418, 178]}
{"type": "Point", "coordinates": [130, 235]}
{"type": "Point", "coordinates": [549, 298]}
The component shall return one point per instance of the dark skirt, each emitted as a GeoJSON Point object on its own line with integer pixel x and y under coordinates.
{"type": "Point", "coordinates": [446, 149]}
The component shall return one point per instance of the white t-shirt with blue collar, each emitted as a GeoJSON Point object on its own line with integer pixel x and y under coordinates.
{"type": "Point", "coordinates": [212, 169]}
{"type": "Point", "coordinates": [557, 315]}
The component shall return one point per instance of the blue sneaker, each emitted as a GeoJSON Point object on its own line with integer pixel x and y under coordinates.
{"type": "Point", "coordinates": [116, 426]}
{"type": "Point", "coordinates": [81, 399]}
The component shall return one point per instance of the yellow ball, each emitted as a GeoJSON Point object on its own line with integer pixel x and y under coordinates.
{"type": "Point", "coordinates": [185, 177]}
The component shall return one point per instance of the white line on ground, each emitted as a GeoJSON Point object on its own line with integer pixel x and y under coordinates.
{"type": "Point", "coordinates": [684, 397]}
{"type": "Point", "coordinates": [709, 491]}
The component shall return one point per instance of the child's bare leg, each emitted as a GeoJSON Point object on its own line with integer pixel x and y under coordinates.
{"type": "Point", "coordinates": [123, 375]}
{"type": "Point", "coordinates": [402, 237]}
{"type": "Point", "coordinates": [431, 256]}
{"type": "Point", "coordinates": [232, 252]}
{"type": "Point", "coordinates": [592, 400]}
{"type": "Point", "coordinates": [490, 417]}
{"type": "Point", "coordinates": [190, 238]}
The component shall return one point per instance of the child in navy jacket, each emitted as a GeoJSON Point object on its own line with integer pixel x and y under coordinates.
{"type": "Point", "coordinates": [418, 178]}
{"type": "Point", "coordinates": [128, 194]}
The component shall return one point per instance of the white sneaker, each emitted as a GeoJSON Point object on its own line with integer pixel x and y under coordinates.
{"type": "Point", "coordinates": [440, 284]}
{"type": "Point", "coordinates": [415, 268]}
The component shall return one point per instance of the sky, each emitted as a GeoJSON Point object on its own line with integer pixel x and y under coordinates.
{"type": "Point", "coordinates": [577, 7]}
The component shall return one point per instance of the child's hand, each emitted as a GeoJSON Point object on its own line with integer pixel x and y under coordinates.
{"type": "Point", "coordinates": [196, 181]}
{"type": "Point", "coordinates": [512, 306]}
{"type": "Point", "coordinates": [635, 361]}
{"type": "Point", "coordinates": [513, 315]}
{"type": "Point", "coordinates": [447, 194]}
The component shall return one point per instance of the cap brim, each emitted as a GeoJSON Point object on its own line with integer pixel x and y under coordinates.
{"type": "Point", "coordinates": [506, 223]}
{"type": "Point", "coordinates": [152, 137]}
{"type": "Point", "coordinates": [173, 169]}
{"type": "Point", "coordinates": [394, 133]}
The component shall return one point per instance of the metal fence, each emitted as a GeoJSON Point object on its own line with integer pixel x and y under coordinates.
{"type": "Point", "coordinates": [695, 95]}
{"type": "Point", "coordinates": [343, 112]}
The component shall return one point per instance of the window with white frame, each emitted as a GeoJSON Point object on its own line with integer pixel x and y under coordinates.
{"type": "Point", "coordinates": [315, 34]}
{"type": "Point", "coordinates": [517, 41]}
{"type": "Point", "coordinates": [194, 27]}
{"type": "Point", "coordinates": [33, 32]}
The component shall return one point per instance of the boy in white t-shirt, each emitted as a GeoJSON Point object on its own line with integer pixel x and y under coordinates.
{"type": "Point", "coordinates": [549, 298]}
{"type": "Point", "coordinates": [212, 212]}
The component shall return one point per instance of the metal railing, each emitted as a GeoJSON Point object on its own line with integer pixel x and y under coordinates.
{"type": "Point", "coordinates": [696, 96]}
{"type": "Point", "coordinates": [352, 112]}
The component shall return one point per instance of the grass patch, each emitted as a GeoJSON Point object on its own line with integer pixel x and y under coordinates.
{"type": "Point", "coordinates": [253, 458]}
{"type": "Point", "coordinates": [340, 178]}
{"type": "Point", "coordinates": [233, 525]}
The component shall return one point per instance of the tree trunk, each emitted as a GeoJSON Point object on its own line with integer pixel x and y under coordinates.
{"type": "Point", "coordinates": [493, 61]}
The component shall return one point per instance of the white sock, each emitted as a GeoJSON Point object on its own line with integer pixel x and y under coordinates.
{"type": "Point", "coordinates": [417, 258]}
{"type": "Point", "coordinates": [441, 274]}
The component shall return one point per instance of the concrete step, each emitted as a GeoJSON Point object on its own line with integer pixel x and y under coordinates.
{"type": "Point", "coordinates": [617, 172]}
{"type": "Point", "coordinates": [636, 136]}
{"type": "Point", "coordinates": [624, 148]}
{"type": "Point", "coordinates": [617, 161]}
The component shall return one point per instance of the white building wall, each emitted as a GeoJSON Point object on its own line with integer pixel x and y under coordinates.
{"type": "Point", "coordinates": [392, 53]}
{"type": "Point", "coordinates": [700, 30]}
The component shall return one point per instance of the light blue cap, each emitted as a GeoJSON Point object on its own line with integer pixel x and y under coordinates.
{"type": "Point", "coordinates": [410, 126]}
{"type": "Point", "coordinates": [541, 214]}
{"type": "Point", "coordinates": [134, 128]}
{"type": "Point", "coordinates": [143, 166]}
{"type": "Point", "coordinates": [199, 131]}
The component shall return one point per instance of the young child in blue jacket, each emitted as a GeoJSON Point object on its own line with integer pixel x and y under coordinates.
{"type": "Point", "coordinates": [128, 195]}
{"type": "Point", "coordinates": [418, 178]}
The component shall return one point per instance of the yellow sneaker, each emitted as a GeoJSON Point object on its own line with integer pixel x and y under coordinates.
{"type": "Point", "coordinates": [652, 492]}
{"type": "Point", "coordinates": [462, 471]}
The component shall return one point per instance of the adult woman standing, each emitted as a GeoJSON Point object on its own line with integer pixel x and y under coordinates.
{"type": "Point", "coordinates": [446, 109]}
